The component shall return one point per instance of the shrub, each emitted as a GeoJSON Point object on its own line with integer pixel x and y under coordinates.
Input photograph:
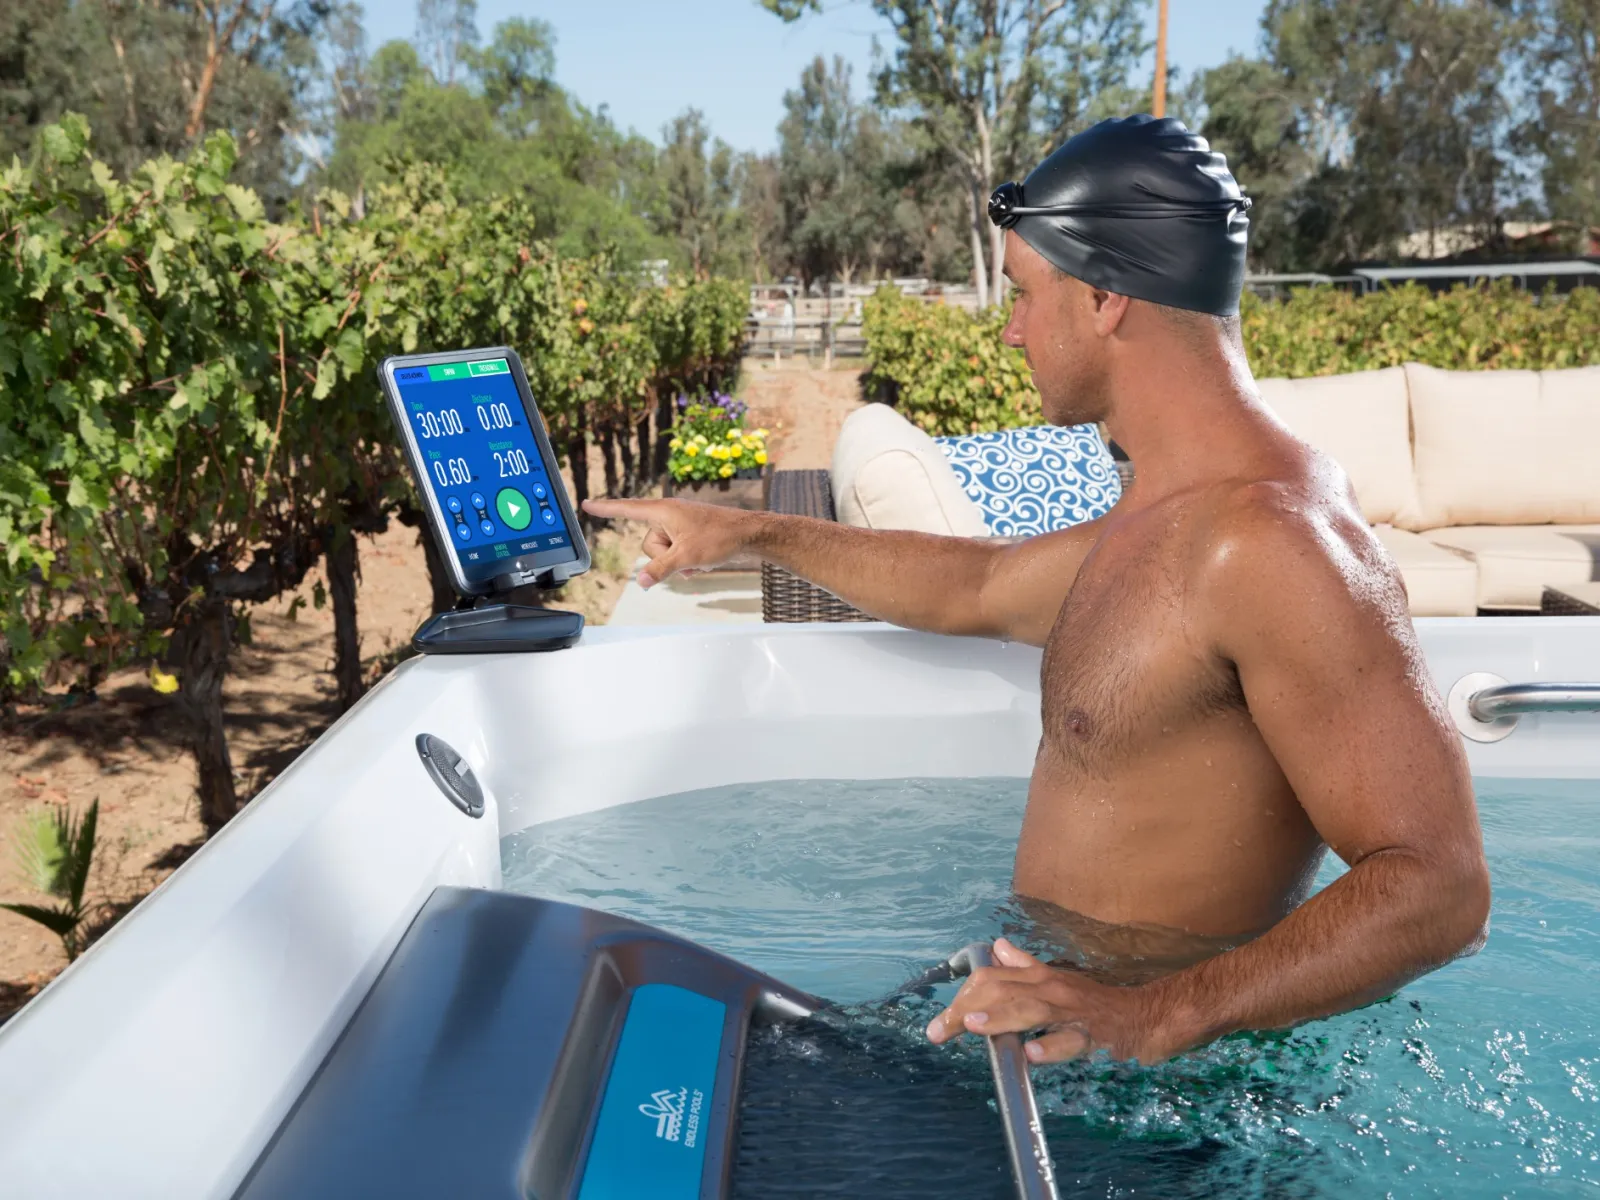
{"type": "Point", "coordinates": [189, 417]}
{"type": "Point", "coordinates": [54, 850]}
{"type": "Point", "coordinates": [949, 369]}
{"type": "Point", "coordinates": [952, 375]}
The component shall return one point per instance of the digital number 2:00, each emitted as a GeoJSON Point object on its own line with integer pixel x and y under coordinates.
{"type": "Point", "coordinates": [512, 462]}
{"type": "Point", "coordinates": [451, 471]}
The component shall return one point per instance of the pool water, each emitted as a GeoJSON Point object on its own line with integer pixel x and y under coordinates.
{"type": "Point", "coordinates": [1482, 1079]}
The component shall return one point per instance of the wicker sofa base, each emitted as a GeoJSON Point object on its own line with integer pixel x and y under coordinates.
{"type": "Point", "coordinates": [785, 596]}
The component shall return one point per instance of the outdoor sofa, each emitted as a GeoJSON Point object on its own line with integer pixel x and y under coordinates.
{"type": "Point", "coordinates": [1483, 485]}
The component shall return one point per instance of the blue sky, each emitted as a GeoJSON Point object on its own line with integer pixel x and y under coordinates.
{"type": "Point", "coordinates": [648, 60]}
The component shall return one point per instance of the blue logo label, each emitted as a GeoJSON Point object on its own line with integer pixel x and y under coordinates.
{"type": "Point", "coordinates": [650, 1140]}
{"type": "Point", "coordinates": [412, 375]}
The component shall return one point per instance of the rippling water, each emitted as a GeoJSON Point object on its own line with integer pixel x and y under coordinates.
{"type": "Point", "coordinates": [1482, 1079]}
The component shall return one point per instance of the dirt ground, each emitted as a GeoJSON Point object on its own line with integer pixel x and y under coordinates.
{"type": "Point", "coordinates": [125, 747]}
{"type": "Point", "coordinates": [801, 407]}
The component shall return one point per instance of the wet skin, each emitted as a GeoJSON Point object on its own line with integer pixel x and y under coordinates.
{"type": "Point", "coordinates": [1230, 686]}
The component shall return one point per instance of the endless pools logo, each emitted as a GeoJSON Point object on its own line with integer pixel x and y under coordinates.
{"type": "Point", "coordinates": [676, 1114]}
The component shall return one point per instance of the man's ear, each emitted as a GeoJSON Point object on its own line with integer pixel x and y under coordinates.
{"type": "Point", "coordinates": [1109, 309]}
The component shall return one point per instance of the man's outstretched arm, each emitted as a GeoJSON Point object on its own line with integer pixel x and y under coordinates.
{"type": "Point", "coordinates": [963, 586]}
{"type": "Point", "coordinates": [1315, 621]}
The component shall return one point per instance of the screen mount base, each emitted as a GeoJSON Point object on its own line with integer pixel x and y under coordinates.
{"type": "Point", "coordinates": [498, 628]}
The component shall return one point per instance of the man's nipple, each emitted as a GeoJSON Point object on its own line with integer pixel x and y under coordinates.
{"type": "Point", "coordinates": [1077, 722]}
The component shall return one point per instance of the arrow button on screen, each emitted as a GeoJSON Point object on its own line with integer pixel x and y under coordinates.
{"type": "Point", "coordinates": [513, 507]}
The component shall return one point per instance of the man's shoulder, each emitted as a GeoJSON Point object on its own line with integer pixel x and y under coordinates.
{"type": "Point", "coordinates": [1285, 539]}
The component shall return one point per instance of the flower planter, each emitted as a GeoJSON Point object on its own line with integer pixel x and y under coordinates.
{"type": "Point", "coordinates": [747, 490]}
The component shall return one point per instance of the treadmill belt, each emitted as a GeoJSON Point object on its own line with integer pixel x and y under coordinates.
{"type": "Point", "coordinates": [860, 1110]}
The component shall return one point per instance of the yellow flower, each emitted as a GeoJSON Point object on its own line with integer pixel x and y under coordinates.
{"type": "Point", "coordinates": [675, 444]}
{"type": "Point", "coordinates": [761, 433]}
{"type": "Point", "coordinates": [691, 450]}
{"type": "Point", "coordinates": [162, 682]}
{"type": "Point", "coordinates": [725, 472]}
{"type": "Point", "coordinates": [761, 458]}
{"type": "Point", "coordinates": [699, 439]}
{"type": "Point", "coordinates": [733, 435]}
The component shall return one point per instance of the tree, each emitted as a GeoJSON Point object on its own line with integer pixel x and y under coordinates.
{"type": "Point", "coordinates": [1365, 122]}
{"type": "Point", "coordinates": [993, 84]}
{"type": "Point", "coordinates": [154, 78]}
{"type": "Point", "coordinates": [447, 31]}
{"type": "Point", "coordinates": [835, 199]}
{"type": "Point", "coordinates": [1562, 63]}
{"type": "Point", "coordinates": [759, 183]}
{"type": "Point", "coordinates": [699, 190]}
{"type": "Point", "coordinates": [504, 127]}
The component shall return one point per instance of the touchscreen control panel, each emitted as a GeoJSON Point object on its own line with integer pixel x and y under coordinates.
{"type": "Point", "coordinates": [482, 463]}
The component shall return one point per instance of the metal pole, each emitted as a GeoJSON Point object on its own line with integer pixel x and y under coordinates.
{"type": "Point", "coordinates": [1158, 103]}
{"type": "Point", "coordinates": [1031, 1167]}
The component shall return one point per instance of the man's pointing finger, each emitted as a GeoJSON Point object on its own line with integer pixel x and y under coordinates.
{"type": "Point", "coordinates": [635, 510]}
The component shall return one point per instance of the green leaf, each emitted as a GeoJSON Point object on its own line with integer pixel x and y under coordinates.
{"type": "Point", "coordinates": [66, 141]}
{"type": "Point", "coordinates": [245, 202]}
{"type": "Point", "coordinates": [58, 921]}
{"type": "Point", "coordinates": [327, 376]}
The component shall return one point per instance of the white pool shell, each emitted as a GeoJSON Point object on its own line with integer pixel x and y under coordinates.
{"type": "Point", "coordinates": [161, 1062]}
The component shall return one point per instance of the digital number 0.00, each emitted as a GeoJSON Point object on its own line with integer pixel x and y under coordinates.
{"type": "Point", "coordinates": [512, 462]}
{"type": "Point", "coordinates": [443, 424]}
{"type": "Point", "coordinates": [451, 471]}
{"type": "Point", "coordinates": [494, 416]}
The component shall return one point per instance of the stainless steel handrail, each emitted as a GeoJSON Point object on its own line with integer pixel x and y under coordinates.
{"type": "Point", "coordinates": [1513, 699]}
{"type": "Point", "coordinates": [1019, 1113]}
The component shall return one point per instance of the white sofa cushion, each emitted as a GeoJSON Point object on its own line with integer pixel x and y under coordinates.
{"type": "Point", "coordinates": [1359, 420]}
{"type": "Point", "coordinates": [1438, 583]}
{"type": "Point", "coordinates": [888, 474]}
{"type": "Point", "coordinates": [1505, 447]}
{"type": "Point", "coordinates": [1515, 561]}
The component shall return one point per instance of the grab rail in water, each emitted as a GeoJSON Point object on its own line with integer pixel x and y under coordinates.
{"type": "Point", "coordinates": [1019, 1113]}
{"type": "Point", "coordinates": [1486, 707]}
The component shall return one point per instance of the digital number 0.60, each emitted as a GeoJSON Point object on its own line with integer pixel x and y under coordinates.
{"type": "Point", "coordinates": [451, 472]}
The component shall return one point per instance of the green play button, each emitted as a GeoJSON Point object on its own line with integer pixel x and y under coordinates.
{"type": "Point", "coordinates": [514, 508]}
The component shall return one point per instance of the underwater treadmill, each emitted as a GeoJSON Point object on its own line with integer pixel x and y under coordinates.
{"type": "Point", "coordinates": [517, 1048]}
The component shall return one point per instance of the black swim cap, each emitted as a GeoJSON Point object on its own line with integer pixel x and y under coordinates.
{"type": "Point", "coordinates": [1140, 207]}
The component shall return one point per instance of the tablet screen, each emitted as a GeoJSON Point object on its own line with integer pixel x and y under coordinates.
{"type": "Point", "coordinates": [478, 455]}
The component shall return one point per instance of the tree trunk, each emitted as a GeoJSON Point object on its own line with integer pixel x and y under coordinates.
{"type": "Point", "coordinates": [344, 570]}
{"type": "Point", "coordinates": [664, 415]}
{"type": "Point", "coordinates": [630, 473]}
{"type": "Point", "coordinates": [645, 432]}
{"type": "Point", "coordinates": [997, 262]}
{"type": "Point", "coordinates": [578, 461]}
{"type": "Point", "coordinates": [200, 647]}
{"type": "Point", "coordinates": [444, 592]}
{"type": "Point", "coordinates": [980, 276]}
{"type": "Point", "coordinates": [439, 581]}
{"type": "Point", "coordinates": [607, 437]}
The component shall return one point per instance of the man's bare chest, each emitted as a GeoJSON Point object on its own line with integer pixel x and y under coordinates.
{"type": "Point", "coordinates": [1128, 664]}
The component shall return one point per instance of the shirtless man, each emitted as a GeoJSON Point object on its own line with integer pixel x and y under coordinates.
{"type": "Point", "coordinates": [1231, 683]}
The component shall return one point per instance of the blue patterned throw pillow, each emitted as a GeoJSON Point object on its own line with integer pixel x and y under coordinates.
{"type": "Point", "coordinates": [1035, 480]}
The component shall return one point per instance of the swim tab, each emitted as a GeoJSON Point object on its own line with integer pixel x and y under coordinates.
{"type": "Point", "coordinates": [1138, 206]}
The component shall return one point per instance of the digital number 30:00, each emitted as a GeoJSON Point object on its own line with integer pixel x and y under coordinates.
{"type": "Point", "coordinates": [448, 421]}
